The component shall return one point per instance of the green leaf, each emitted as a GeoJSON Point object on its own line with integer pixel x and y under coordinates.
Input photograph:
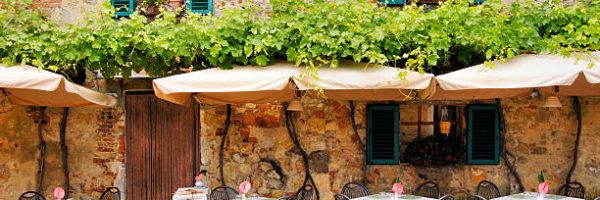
{"type": "Point", "coordinates": [262, 60]}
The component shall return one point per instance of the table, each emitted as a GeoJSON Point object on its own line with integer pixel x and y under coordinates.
{"type": "Point", "coordinates": [389, 196]}
{"type": "Point", "coordinates": [182, 195]}
{"type": "Point", "coordinates": [534, 196]}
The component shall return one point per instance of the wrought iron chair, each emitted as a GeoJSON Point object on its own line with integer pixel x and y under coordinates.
{"type": "Point", "coordinates": [305, 193]}
{"type": "Point", "coordinates": [223, 193]}
{"type": "Point", "coordinates": [429, 189]}
{"type": "Point", "coordinates": [488, 190]}
{"type": "Point", "coordinates": [354, 190]}
{"type": "Point", "coordinates": [31, 195]}
{"type": "Point", "coordinates": [286, 198]}
{"type": "Point", "coordinates": [341, 197]}
{"type": "Point", "coordinates": [573, 189]}
{"type": "Point", "coordinates": [111, 193]}
{"type": "Point", "coordinates": [447, 197]}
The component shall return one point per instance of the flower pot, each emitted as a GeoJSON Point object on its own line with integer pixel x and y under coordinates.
{"type": "Point", "coordinates": [151, 10]}
{"type": "Point", "coordinates": [445, 127]}
{"type": "Point", "coordinates": [173, 5]}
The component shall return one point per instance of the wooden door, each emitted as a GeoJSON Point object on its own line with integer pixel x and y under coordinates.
{"type": "Point", "coordinates": [163, 146]}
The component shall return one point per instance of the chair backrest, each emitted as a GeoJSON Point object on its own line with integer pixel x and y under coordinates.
{"type": "Point", "coordinates": [488, 190]}
{"type": "Point", "coordinates": [428, 189]}
{"type": "Point", "coordinates": [305, 193]}
{"type": "Point", "coordinates": [286, 198]}
{"type": "Point", "coordinates": [223, 193]}
{"type": "Point", "coordinates": [111, 193]}
{"type": "Point", "coordinates": [341, 197]}
{"type": "Point", "coordinates": [31, 195]}
{"type": "Point", "coordinates": [573, 189]}
{"type": "Point", "coordinates": [354, 190]}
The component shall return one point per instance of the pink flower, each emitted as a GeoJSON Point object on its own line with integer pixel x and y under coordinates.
{"type": "Point", "coordinates": [245, 187]}
{"type": "Point", "coordinates": [543, 187]}
{"type": "Point", "coordinates": [398, 188]}
{"type": "Point", "coordinates": [59, 193]}
{"type": "Point", "coordinates": [199, 177]}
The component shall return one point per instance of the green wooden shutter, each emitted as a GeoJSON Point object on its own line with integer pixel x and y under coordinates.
{"type": "Point", "coordinates": [124, 7]}
{"type": "Point", "coordinates": [483, 135]}
{"type": "Point", "coordinates": [382, 134]}
{"type": "Point", "coordinates": [392, 2]}
{"type": "Point", "coordinates": [201, 6]}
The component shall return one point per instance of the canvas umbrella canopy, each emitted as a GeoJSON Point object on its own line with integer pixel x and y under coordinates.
{"type": "Point", "coordinates": [359, 81]}
{"type": "Point", "coordinates": [578, 75]}
{"type": "Point", "coordinates": [31, 86]}
{"type": "Point", "coordinates": [279, 82]}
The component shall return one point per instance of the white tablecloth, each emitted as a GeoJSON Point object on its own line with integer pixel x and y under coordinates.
{"type": "Point", "coordinates": [202, 196]}
{"type": "Point", "coordinates": [534, 196]}
{"type": "Point", "coordinates": [390, 196]}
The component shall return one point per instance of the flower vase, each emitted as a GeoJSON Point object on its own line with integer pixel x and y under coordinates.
{"type": "Point", "coordinates": [198, 184]}
{"type": "Point", "coordinates": [243, 196]}
{"type": "Point", "coordinates": [395, 197]}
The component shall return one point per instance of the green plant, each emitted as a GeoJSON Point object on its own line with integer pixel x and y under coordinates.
{"type": "Point", "coordinates": [312, 35]}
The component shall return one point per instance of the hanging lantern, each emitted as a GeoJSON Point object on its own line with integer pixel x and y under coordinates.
{"type": "Point", "coordinates": [445, 123]}
{"type": "Point", "coordinates": [552, 101]}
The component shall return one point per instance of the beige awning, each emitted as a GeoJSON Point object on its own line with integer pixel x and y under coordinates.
{"type": "Point", "coordinates": [359, 81]}
{"type": "Point", "coordinates": [520, 76]}
{"type": "Point", "coordinates": [248, 84]}
{"type": "Point", "coordinates": [26, 85]}
{"type": "Point", "coordinates": [277, 83]}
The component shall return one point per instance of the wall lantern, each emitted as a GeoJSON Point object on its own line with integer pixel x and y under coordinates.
{"type": "Point", "coordinates": [445, 123]}
{"type": "Point", "coordinates": [553, 101]}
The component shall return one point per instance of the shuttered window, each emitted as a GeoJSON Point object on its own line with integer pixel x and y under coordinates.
{"type": "Point", "coordinates": [382, 134]}
{"type": "Point", "coordinates": [200, 6]}
{"type": "Point", "coordinates": [483, 135]}
{"type": "Point", "coordinates": [124, 7]}
{"type": "Point", "coordinates": [392, 2]}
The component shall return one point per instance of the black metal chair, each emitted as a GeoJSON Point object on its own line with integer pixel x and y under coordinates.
{"type": "Point", "coordinates": [111, 193]}
{"type": "Point", "coordinates": [223, 193]}
{"type": "Point", "coordinates": [286, 198]}
{"type": "Point", "coordinates": [573, 189]}
{"type": "Point", "coordinates": [354, 190]}
{"type": "Point", "coordinates": [31, 195]}
{"type": "Point", "coordinates": [429, 189]}
{"type": "Point", "coordinates": [341, 197]}
{"type": "Point", "coordinates": [488, 190]}
{"type": "Point", "coordinates": [305, 193]}
{"type": "Point", "coordinates": [447, 197]}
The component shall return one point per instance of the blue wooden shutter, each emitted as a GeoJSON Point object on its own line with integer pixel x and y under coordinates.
{"type": "Point", "coordinates": [200, 6]}
{"type": "Point", "coordinates": [382, 134]}
{"type": "Point", "coordinates": [483, 135]}
{"type": "Point", "coordinates": [392, 2]}
{"type": "Point", "coordinates": [124, 7]}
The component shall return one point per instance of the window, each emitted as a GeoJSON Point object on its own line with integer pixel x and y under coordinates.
{"type": "Point", "coordinates": [124, 7]}
{"type": "Point", "coordinates": [483, 135]}
{"type": "Point", "coordinates": [392, 2]}
{"type": "Point", "coordinates": [200, 6]}
{"type": "Point", "coordinates": [382, 134]}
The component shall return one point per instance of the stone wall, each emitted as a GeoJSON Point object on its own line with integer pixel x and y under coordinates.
{"type": "Point", "coordinates": [259, 146]}
{"type": "Point", "coordinates": [96, 150]}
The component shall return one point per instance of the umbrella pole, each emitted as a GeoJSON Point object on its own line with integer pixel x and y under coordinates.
{"type": "Point", "coordinates": [357, 138]}
{"type": "Point", "coordinates": [64, 149]}
{"type": "Point", "coordinates": [42, 146]}
{"type": "Point", "coordinates": [222, 147]}
{"type": "Point", "coordinates": [577, 109]}
{"type": "Point", "coordinates": [289, 122]}
{"type": "Point", "coordinates": [506, 154]}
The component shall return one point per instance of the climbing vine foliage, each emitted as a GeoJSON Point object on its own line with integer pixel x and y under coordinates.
{"type": "Point", "coordinates": [313, 35]}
